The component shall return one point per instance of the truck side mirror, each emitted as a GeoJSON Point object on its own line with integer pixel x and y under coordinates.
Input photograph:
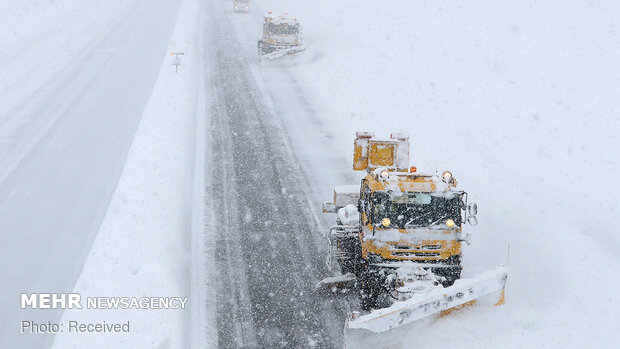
{"type": "Point", "coordinates": [472, 220]}
{"type": "Point", "coordinates": [328, 207]}
{"type": "Point", "coordinates": [472, 209]}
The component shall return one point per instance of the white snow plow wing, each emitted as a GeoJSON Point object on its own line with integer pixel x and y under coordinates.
{"type": "Point", "coordinates": [336, 284]}
{"type": "Point", "coordinates": [464, 292]}
{"type": "Point", "coordinates": [282, 52]}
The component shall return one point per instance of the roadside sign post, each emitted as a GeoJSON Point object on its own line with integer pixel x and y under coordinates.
{"type": "Point", "coordinates": [176, 61]}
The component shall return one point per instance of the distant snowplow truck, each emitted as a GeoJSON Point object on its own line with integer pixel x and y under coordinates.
{"type": "Point", "coordinates": [241, 5]}
{"type": "Point", "coordinates": [398, 239]}
{"type": "Point", "coordinates": [281, 37]}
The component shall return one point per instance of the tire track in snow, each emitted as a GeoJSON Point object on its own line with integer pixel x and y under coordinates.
{"type": "Point", "coordinates": [267, 255]}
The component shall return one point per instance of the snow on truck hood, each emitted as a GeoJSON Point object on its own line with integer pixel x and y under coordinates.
{"type": "Point", "coordinates": [413, 236]}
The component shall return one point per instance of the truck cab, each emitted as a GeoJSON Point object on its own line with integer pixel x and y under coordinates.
{"type": "Point", "coordinates": [410, 216]}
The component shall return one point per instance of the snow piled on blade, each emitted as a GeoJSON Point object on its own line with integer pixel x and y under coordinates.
{"type": "Point", "coordinates": [422, 305]}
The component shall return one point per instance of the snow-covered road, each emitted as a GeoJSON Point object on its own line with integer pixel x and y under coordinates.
{"type": "Point", "coordinates": [59, 169]}
{"type": "Point", "coordinates": [268, 251]}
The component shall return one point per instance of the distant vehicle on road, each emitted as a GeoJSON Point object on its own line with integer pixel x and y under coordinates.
{"type": "Point", "coordinates": [281, 37]}
{"type": "Point", "coordinates": [242, 5]}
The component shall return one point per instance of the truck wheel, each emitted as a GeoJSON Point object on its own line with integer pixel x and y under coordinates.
{"type": "Point", "coordinates": [372, 289]}
{"type": "Point", "coordinates": [451, 273]}
{"type": "Point", "coordinates": [353, 250]}
{"type": "Point", "coordinates": [260, 50]}
{"type": "Point", "coordinates": [368, 298]}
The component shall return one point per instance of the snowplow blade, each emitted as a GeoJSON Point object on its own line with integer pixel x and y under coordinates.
{"type": "Point", "coordinates": [282, 53]}
{"type": "Point", "coordinates": [439, 302]}
{"type": "Point", "coordinates": [337, 285]}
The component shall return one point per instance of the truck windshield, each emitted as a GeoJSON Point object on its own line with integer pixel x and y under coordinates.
{"type": "Point", "coordinates": [415, 209]}
{"type": "Point", "coordinates": [282, 29]}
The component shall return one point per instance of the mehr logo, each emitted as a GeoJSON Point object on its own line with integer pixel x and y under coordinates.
{"type": "Point", "coordinates": [51, 301]}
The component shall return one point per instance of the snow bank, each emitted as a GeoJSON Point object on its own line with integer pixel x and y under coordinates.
{"type": "Point", "coordinates": [143, 246]}
{"type": "Point", "coordinates": [74, 79]}
{"type": "Point", "coordinates": [519, 101]}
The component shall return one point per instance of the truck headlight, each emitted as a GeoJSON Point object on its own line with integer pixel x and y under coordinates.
{"type": "Point", "coordinates": [386, 222]}
{"type": "Point", "coordinates": [450, 223]}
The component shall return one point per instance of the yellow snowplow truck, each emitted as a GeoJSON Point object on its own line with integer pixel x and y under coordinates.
{"type": "Point", "coordinates": [398, 238]}
{"type": "Point", "coordinates": [281, 37]}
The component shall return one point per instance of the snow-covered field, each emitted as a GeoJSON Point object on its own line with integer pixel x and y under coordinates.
{"type": "Point", "coordinates": [518, 99]}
